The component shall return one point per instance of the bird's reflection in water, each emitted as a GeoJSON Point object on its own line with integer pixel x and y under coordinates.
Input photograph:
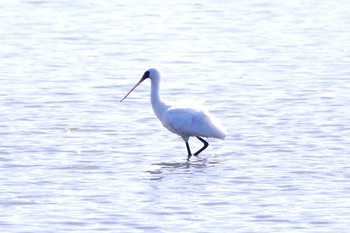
{"type": "Point", "coordinates": [199, 165]}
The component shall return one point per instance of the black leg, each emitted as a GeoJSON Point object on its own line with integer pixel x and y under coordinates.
{"type": "Point", "coordinates": [189, 151]}
{"type": "Point", "coordinates": [206, 144]}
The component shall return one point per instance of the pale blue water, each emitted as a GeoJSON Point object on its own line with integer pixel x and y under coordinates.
{"type": "Point", "coordinates": [75, 159]}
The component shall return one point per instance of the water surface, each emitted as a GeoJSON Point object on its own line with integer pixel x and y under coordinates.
{"type": "Point", "coordinates": [73, 158]}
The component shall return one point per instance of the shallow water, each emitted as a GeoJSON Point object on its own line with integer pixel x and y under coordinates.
{"type": "Point", "coordinates": [74, 158]}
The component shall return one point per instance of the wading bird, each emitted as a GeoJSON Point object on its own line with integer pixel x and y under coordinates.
{"type": "Point", "coordinates": [186, 122]}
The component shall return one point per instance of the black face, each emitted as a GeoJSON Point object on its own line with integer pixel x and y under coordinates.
{"type": "Point", "coordinates": [145, 75]}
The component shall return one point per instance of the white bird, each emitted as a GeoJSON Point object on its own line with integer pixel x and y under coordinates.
{"type": "Point", "coordinates": [186, 122]}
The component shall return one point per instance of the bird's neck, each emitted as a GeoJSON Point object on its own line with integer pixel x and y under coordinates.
{"type": "Point", "coordinates": [159, 107]}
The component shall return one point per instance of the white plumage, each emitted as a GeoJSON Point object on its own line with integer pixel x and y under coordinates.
{"type": "Point", "coordinates": [189, 122]}
{"type": "Point", "coordinates": [186, 122]}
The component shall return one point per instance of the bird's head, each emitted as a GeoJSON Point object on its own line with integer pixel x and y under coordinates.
{"type": "Point", "coordinates": [152, 73]}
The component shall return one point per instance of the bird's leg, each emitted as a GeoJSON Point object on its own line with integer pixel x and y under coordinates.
{"type": "Point", "coordinates": [206, 144]}
{"type": "Point", "coordinates": [189, 151]}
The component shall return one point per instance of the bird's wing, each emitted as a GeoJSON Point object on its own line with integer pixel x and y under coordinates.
{"type": "Point", "coordinates": [191, 122]}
